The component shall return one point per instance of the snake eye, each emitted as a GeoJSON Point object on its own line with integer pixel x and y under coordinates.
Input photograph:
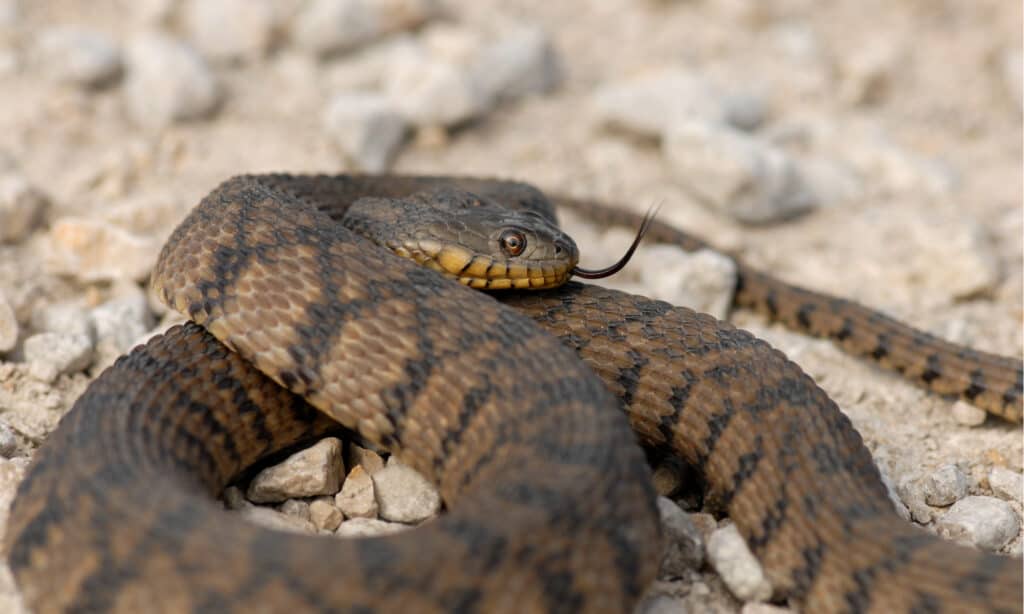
{"type": "Point", "coordinates": [512, 242]}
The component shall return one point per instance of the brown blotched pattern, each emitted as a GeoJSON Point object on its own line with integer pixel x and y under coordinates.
{"type": "Point", "coordinates": [990, 382]}
{"type": "Point", "coordinates": [551, 508]}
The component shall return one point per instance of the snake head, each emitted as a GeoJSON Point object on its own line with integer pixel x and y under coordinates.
{"type": "Point", "coordinates": [472, 239]}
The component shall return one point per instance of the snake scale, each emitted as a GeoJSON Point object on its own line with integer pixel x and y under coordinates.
{"type": "Point", "coordinates": [550, 503]}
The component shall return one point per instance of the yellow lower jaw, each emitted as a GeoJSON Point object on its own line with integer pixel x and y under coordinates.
{"type": "Point", "coordinates": [523, 283]}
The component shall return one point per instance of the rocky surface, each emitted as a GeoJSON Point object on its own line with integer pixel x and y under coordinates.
{"type": "Point", "coordinates": [849, 160]}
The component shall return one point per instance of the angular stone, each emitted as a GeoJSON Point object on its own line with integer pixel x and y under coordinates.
{"type": "Point", "coordinates": [53, 354]}
{"type": "Point", "coordinates": [370, 461]}
{"type": "Point", "coordinates": [232, 30]}
{"type": "Point", "coordinates": [273, 519]}
{"type": "Point", "coordinates": [968, 415]}
{"type": "Point", "coordinates": [945, 486]}
{"type": "Point", "coordinates": [77, 56]}
{"type": "Point", "coordinates": [314, 471]}
{"type": "Point", "coordinates": [985, 522]}
{"type": "Point", "coordinates": [734, 562]}
{"type": "Point", "coordinates": [92, 250]}
{"type": "Point", "coordinates": [331, 26]}
{"type": "Point", "coordinates": [369, 527]}
{"type": "Point", "coordinates": [21, 207]}
{"type": "Point", "coordinates": [324, 515]}
{"type": "Point", "coordinates": [684, 548]}
{"type": "Point", "coordinates": [357, 498]}
{"type": "Point", "coordinates": [1006, 483]}
{"type": "Point", "coordinates": [367, 127]}
{"type": "Point", "coordinates": [404, 495]}
{"type": "Point", "coordinates": [167, 81]}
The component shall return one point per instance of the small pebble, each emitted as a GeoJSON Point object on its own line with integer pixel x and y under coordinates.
{"type": "Point", "coordinates": [368, 527]}
{"type": "Point", "coordinates": [232, 30]}
{"type": "Point", "coordinates": [733, 561]}
{"type": "Point", "coordinates": [76, 56]}
{"type": "Point", "coordinates": [120, 321]}
{"type": "Point", "coordinates": [749, 180]}
{"type": "Point", "coordinates": [326, 27]}
{"type": "Point", "coordinates": [1006, 483]}
{"type": "Point", "coordinates": [968, 415]}
{"type": "Point", "coordinates": [429, 91]}
{"type": "Point", "coordinates": [357, 498]}
{"type": "Point", "coordinates": [167, 81]}
{"type": "Point", "coordinates": [945, 486]}
{"type": "Point", "coordinates": [985, 522]}
{"type": "Point", "coordinates": [21, 207]}
{"type": "Point", "coordinates": [8, 440]}
{"type": "Point", "coordinates": [911, 494]}
{"type": "Point", "coordinates": [314, 471]}
{"type": "Point", "coordinates": [273, 519]}
{"type": "Point", "coordinates": [647, 104]}
{"type": "Point", "coordinates": [67, 317]}
{"type": "Point", "coordinates": [703, 281]}
{"type": "Point", "coordinates": [684, 548]}
{"type": "Point", "coordinates": [367, 127]}
{"type": "Point", "coordinates": [93, 250]}
{"type": "Point", "coordinates": [296, 507]}
{"type": "Point", "coordinates": [324, 515]}
{"type": "Point", "coordinates": [519, 62]}
{"type": "Point", "coordinates": [53, 354]}
{"type": "Point", "coordinates": [403, 495]}
{"type": "Point", "coordinates": [763, 608]}
{"type": "Point", "coordinates": [705, 523]}
{"type": "Point", "coordinates": [8, 325]}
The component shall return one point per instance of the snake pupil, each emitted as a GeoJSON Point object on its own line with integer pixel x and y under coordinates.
{"type": "Point", "coordinates": [513, 242]}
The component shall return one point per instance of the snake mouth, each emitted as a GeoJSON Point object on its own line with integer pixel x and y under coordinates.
{"type": "Point", "coordinates": [488, 273]}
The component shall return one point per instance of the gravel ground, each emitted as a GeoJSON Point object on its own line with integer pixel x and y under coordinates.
{"type": "Point", "coordinates": [865, 148]}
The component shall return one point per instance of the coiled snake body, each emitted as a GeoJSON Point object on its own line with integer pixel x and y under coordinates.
{"type": "Point", "coordinates": [551, 507]}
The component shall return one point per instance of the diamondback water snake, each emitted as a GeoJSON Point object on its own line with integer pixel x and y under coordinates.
{"type": "Point", "coordinates": [551, 507]}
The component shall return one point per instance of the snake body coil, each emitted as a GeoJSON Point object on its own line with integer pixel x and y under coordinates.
{"type": "Point", "coordinates": [551, 507]}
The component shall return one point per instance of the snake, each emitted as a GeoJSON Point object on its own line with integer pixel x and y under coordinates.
{"type": "Point", "coordinates": [523, 405]}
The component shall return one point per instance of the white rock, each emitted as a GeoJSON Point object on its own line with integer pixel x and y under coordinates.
{"type": "Point", "coordinates": [8, 325]}
{"type": "Point", "coordinates": [66, 317]}
{"type": "Point", "coordinates": [232, 30]}
{"type": "Point", "coordinates": [93, 250]}
{"type": "Point", "coordinates": [21, 207]}
{"type": "Point", "coordinates": [273, 519]}
{"type": "Point", "coordinates": [404, 495]}
{"type": "Point", "coordinates": [368, 527]}
{"type": "Point", "coordinates": [520, 61]}
{"type": "Point", "coordinates": [985, 522]}
{"type": "Point", "coordinates": [684, 548]}
{"type": "Point", "coordinates": [53, 354]}
{"type": "Point", "coordinates": [73, 55]}
{"type": "Point", "coordinates": [968, 415]}
{"type": "Point", "coordinates": [367, 127]}
{"type": "Point", "coordinates": [324, 515]}
{"type": "Point", "coordinates": [733, 561]}
{"type": "Point", "coordinates": [357, 498]}
{"type": "Point", "coordinates": [429, 91]}
{"type": "Point", "coordinates": [704, 280]}
{"type": "Point", "coordinates": [745, 178]}
{"type": "Point", "coordinates": [11, 473]}
{"type": "Point", "coordinates": [330, 26]}
{"type": "Point", "coordinates": [120, 321]}
{"type": "Point", "coordinates": [8, 440]}
{"type": "Point", "coordinates": [911, 494]}
{"type": "Point", "coordinates": [167, 81]}
{"type": "Point", "coordinates": [649, 103]}
{"type": "Point", "coordinates": [154, 12]}
{"type": "Point", "coordinates": [1006, 483]}
{"type": "Point", "coordinates": [945, 486]}
{"type": "Point", "coordinates": [314, 471]}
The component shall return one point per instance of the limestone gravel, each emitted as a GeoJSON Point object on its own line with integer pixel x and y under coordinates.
{"type": "Point", "coordinates": [945, 486]}
{"type": "Point", "coordinates": [369, 527]}
{"type": "Point", "coordinates": [684, 547]}
{"type": "Point", "coordinates": [330, 26]}
{"type": "Point", "coordinates": [78, 56]}
{"type": "Point", "coordinates": [1006, 483]}
{"type": "Point", "coordinates": [985, 522]}
{"type": "Point", "coordinates": [8, 325]}
{"type": "Point", "coordinates": [968, 415]}
{"type": "Point", "coordinates": [51, 355]}
{"type": "Point", "coordinates": [357, 498]}
{"type": "Point", "coordinates": [168, 81]}
{"type": "Point", "coordinates": [317, 470]}
{"type": "Point", "coordinates": [21, 207]}
{"type": "Point", "coordinates": [403, 495]}
{"type": "Point", "coordinates": [367, 127]}
{"type": "Point", "coordinates": [254, 26]}
{"type": "Point", "coordinates": [324, 515]}
{"type": "Point", "coordinates": [733, 561]}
